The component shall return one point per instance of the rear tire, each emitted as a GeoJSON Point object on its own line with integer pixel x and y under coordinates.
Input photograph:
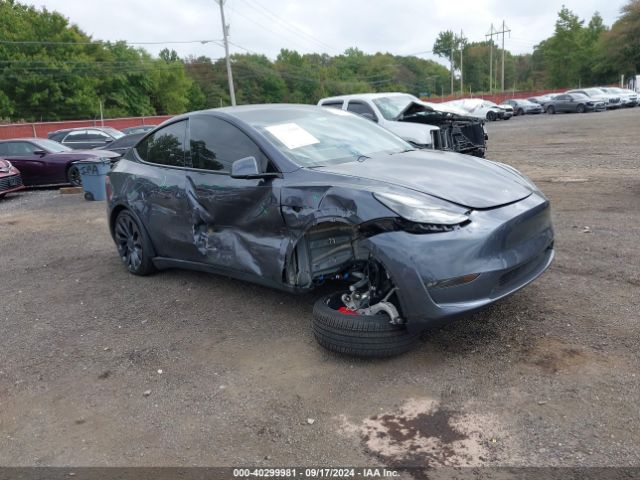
{"type": "Point", "coordinates": [519, 112]}
{"type": "Point", "coordinates": [364, 336]}
{"type": "Point", "coordinates": [580, 108]}
{"type": "Point", "coordinates": [133, 244]}
{"type": "Point", "coordinates": [73, 176]}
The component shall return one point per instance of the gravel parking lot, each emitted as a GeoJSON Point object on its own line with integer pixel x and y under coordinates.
{"type": "Point", "coordinates": [99, 367]}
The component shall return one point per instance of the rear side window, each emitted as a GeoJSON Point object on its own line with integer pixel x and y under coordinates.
{"type": "Point", "coordinates": [77, 136]}
{"type": "Point", "coordinates": [166, 146]}
{"type": "Point", "coordinates": [333, 104]}
{"type": "Point", "coordinates": [97, 135]}
{"type": "Point", "coordinates": [216, 144]}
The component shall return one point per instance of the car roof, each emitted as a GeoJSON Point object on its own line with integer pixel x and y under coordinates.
{"type": "Point", "coordinates": [22, 139]}
{"type": "Point", "coordinates": [83, 128]}
{"type": "Point", "coordinates": [258, 106]}
{"type": "Point", "coordinates": [367, 96]}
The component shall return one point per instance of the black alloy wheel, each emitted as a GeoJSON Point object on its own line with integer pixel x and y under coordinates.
{"type": "Point", "coordinates": [73, 176]}
{"type": "Point", "coordinates": [133, 245]}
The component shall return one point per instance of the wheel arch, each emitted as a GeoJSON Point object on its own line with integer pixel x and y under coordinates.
{"type": "Point", "coordinates": [113, 214]}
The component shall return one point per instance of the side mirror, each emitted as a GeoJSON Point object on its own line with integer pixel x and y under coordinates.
{"type": "Point", "coordinates": [369, 116]}
{"type": "Point", "coordinates": [248, 168]}
{"type": "Point", "coordinates": [42, 153]}
{"type": "Point", "coordinates": [108, 140]}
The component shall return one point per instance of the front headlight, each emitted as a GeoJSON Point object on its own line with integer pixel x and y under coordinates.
{"type": "Point", "coordinates": [423, 209]}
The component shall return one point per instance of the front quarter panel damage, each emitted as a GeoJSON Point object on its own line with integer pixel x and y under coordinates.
{"type": "Point", "coordinates": [325, 225]}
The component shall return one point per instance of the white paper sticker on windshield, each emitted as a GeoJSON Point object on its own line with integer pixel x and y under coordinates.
{"type": "Point", "coordinates": [292, 135]}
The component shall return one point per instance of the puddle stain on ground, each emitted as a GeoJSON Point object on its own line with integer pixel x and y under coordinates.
{"type": "Point", "coordinates": [424, 434]}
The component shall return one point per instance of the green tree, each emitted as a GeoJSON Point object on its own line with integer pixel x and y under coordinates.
{"type": "Point", "coordinates": [618, 49]}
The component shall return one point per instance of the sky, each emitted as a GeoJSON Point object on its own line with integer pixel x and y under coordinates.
{"type": "Point", "coordinates": [400, 27]}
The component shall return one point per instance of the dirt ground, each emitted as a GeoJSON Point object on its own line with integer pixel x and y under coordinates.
{"type": "Point", "coordinates": [98, 367]}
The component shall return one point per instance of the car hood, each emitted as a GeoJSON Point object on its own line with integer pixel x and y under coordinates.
{"type": "Point", "coordinates": [413, 108]}
{"type": "Point", "coordinates": [462, 179]}
{"type": "Point", "coordinates": [444, 111]}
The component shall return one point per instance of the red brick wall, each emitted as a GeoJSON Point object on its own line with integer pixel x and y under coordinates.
{"type": "Point", "coordinates": [17, 130]}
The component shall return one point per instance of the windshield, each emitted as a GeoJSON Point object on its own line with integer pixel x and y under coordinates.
{"type": "Point", "coordinates": [579, 96]}
{"type": "Point", "coordinates": [113, 132]}
{"type": "Point", "coordinates": [593, 91]}
{"type": "Point", "coordinates": [391, 107]}
{"type": "Point", "coordinates": [311, 136]}
{"type": "Point", "coordinates": [51, 146]}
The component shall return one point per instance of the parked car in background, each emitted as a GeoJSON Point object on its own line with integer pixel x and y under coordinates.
{"type": "Point", "coordinates": [629, 98]}
{"type": "Point", "coordinates": [10, 179]}
{"type": "Point", "coordinates": [85, 137]}
{"type": "Point", "coordinates": [121, 145]}
{"type": "Point", "coordinates": [479, 108]}
{"type": "Point", "coordinates": [595, 94]}
{"type": "Point", "coordinates": [45, 162]}
{"type": "Point", "coordinates": [543, 99]}
{"type": "Point", "coordinates": [524, 107]}
{"type": "Point", "coordinates": [507, 111]}
{"type": "Point", "coordinates": [574, 103]}
{"type": "Point", "coordinates": [298, 196]}
{"type": "Point", "coordinates": [138, 129]}
{"type": "Point", "coordinates": [423, 125]}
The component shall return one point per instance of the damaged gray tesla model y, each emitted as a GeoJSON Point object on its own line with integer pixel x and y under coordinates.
{"type": "Point", "coordinates": [295, 196]}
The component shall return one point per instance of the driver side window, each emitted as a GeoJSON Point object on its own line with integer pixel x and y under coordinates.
{"type": "Point", "coordinates": [21, 148]}
{"type": "Point", "coordinates": [363, 109]}
{"type": "Point", "coordinates": [215, 144]}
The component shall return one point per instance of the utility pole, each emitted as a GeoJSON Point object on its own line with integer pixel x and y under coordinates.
{"type": "Point", "coordinates": [504, 30]}
{"type": "Point", "coordinates": [490, 35]}
{"type": "Point", "coordinates": [461, 51]}
{"type": "Point", "coordinates": [451, 61]}
{"type": "Point", "coordinates": [225, 33]}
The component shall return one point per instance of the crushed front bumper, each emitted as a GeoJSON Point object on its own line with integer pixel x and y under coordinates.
{"type": "Point", "coordinates": [506, 248]}
{"type": "Point", "coordinates": [10, 183]}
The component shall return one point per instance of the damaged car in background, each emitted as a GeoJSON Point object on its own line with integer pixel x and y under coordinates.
{"type": "Point", "coordinates": [422, 124]}
{"type": "Point", "coordinates": [297, 196]}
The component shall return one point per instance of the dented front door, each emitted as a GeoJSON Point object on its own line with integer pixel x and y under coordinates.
{"type": "Point", "coordinates": [235, 223]}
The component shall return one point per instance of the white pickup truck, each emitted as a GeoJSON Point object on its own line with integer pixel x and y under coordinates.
{"type": "Point", "coordinates": [423, 124]}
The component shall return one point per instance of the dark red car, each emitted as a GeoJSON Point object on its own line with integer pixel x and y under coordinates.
{"type": "Point", "coordinates": [10, 179]}
{"type": "Point", "coordinates": [45, 162]}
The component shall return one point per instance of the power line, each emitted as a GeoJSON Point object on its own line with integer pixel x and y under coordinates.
{"type": "Point", "coordinates": [291, 27]}
{"type": "Point", "coordinates": [104, 42]}
{"type": "Point", "coordinates": [275, 32]}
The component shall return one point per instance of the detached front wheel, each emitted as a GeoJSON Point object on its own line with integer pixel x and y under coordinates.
{"type": "Point", "coordinates": [365, 336]}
